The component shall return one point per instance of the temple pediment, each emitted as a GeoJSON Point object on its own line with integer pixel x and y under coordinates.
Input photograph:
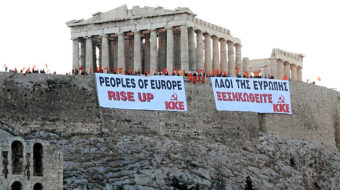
{"type": "Point", "coordinates": [124, 13]}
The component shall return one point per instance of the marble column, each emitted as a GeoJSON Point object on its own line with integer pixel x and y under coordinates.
{"type": "Point", "coordinates": [231, 63]}
{"type": "Point", "coordinates": [137, 58]}
{"type": "Point", "coordinates": [199, 50]}
{"type": "Point", "coordinates": [286, 69]}
{"type": "Point", "coordinates": [105, 53]}
{"type": "Point", "coordinates": [207, 46]}
{"type": "Point", "coordinates": [75, 55]}
{"type": "Point", "coordinates": [130, 53]}
{"type": "Point", "coordinates": [153, 51]}
{"type": "Point", "coordinates": [177, 48]}
{"type": "Point", "coordinates": [280, 69]}
{"type": "Point", "coordinates": [89, 54]}
{"type": "Point", "coordinates": [170, 49]}
{"type": "Point", "coordinates": [246, 65]}
{"type": "Point", "coordinates": [293, 72]}
{"type": "Point", "coordinates": [100, 56]}
{"type": "Point", "coordinates": [147, 53]}
{"type": "Point", "coordinates": [83, 53]}
{"type": "Point", "coordinates": [115, 54]}
{"type": "Point", "coordinates": [184, 48]}
{"type": "Point", "coordinates": [121, 52]}
{"type": "Point", "coordinates": [216, 60]}
{"type": "Point", "coordinates": [162, 50]}
{"type": "Point", "coordinates": [191, 44]}
{"type": "Point", "coordinates": [299, 73]}
{"type": "Point", "coordinates": [223, 55]}
{"type": "Point", "coordinates": [126, 51]}
{"type": "Point", "coordinates": [238, 58]}
{"type": "Point", "coordinates": [273, 68]}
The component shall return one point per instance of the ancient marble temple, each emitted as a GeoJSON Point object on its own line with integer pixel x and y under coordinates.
{"type": "Point", "coordinates": [281, 64]}
{"type": "Point", "coordinates": [149, 39]}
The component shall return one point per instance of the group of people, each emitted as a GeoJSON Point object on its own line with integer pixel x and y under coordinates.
{"type": "Point", "coordinates": [27, 71]}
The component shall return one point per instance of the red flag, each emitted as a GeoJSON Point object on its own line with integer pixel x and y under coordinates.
{"type": "Point", "coordinates": [28, 70]}
{"type": "Point", "coordinates": [90, 69]}
{"type": "Point", "coordinates": [81, 68]}
{"type": "Point", "coordinates": [120, 70]}
{"type": "Point", "coordinates": [114, 71]}
{"type": "Point", "coordinates": [237, 70]}
{"type": "Point", "coordinates": [195, 79]}
{"type": "Point", "coordinates": [285, 77]}
{"type": "Point", "coordinates": [129, 72]}
{"type": "Point", "coordinates": [307, 81]}
{"type": "Point", "coordinates": [246, 74]}
{"type": "Point", "coordinates": [203, 79]}
{"type": "Point", "coordinates": [319, 79]}
{"type": "Point", "coordinates": [200, 71]}
{"type": "Point", "coordinates": [183, 74]}
{"type": "Point", "coordinates": [97, 69]}
{"type": "Point", "coordinates": [148, 73]}
{"type": "Point", "coordinates": [106, 68]}
{"type": "Point", "coordinates": [172, 72]}
{"type": "Point", "coordinates": [164, 71]}
{"type": "Point", "coordinates": [190, 77]}
{"type": "Point", "coordinates": [177, 72]}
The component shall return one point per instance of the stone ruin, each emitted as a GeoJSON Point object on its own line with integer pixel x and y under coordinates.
{"type": "Point", "coordinates": [280, 64]}
{"type": "Point", "coordinates": [29, 164]}
{"type": "Point", "coordinates": [153, 38]}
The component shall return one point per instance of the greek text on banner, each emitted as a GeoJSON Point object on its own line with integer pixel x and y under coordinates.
{"type": "Point", "coordinates": [253, 95]}
{"type": "Point", "coordinates": [141, 93]}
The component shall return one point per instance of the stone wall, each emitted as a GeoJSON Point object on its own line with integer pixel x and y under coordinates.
{"type": "Point", "coordinates": [49, 174]}
{"type": "Point", "coordinates": [200, 149]}
{"type": "Point", "coordinates": [68, 104]}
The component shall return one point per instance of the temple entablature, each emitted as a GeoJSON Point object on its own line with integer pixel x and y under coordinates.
{"type": "Point", "coordinates": [285, 56]}
{"type": "Point", "coordinates": [122, 19]}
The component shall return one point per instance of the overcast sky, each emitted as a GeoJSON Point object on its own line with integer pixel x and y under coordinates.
{"type": "Point", "coordinates": [34, 32]}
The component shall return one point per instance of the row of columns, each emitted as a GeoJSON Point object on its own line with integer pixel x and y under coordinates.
{"type": "Point", "coordinates": [192, 58]}
{"type": "Point", "coordinates": [284, 68]}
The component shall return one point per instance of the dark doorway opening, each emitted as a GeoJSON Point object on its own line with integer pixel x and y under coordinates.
{"type": "Point", "coordinates": [17, 157]}
{"type": "Point", "coordinates": [38, 159]}
{"type": "Point", "coordinates": [38, 186]}
{"type": "Point", "coordinates": [16, 185]}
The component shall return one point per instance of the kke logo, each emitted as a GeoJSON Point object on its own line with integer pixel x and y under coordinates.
{"type": "Point", "coordinates": [174, 104]}
{"type": "Point", "coordinates": [281, 106]}
{"type": "Point", "coordinates": [174, 97]}
{"type": "Point", "coordinates": [281, 100]}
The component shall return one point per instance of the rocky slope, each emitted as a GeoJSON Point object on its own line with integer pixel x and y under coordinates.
{"type": "Point", "coordinates": [156, 162]}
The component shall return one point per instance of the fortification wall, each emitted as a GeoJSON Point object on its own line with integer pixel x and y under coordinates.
{"type": "Point", "coordinates": [68, 104]}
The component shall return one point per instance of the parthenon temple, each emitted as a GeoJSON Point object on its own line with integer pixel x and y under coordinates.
{"type": "Point", "coordinates": [149, 39]}
{"type": "Point", "coordinates": [280, 64]}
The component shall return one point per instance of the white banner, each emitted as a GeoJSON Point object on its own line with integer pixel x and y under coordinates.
{"type": "Point", "coordinates": [252, 95]}
{"type": "Point", "coordinates": [141, 93]}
